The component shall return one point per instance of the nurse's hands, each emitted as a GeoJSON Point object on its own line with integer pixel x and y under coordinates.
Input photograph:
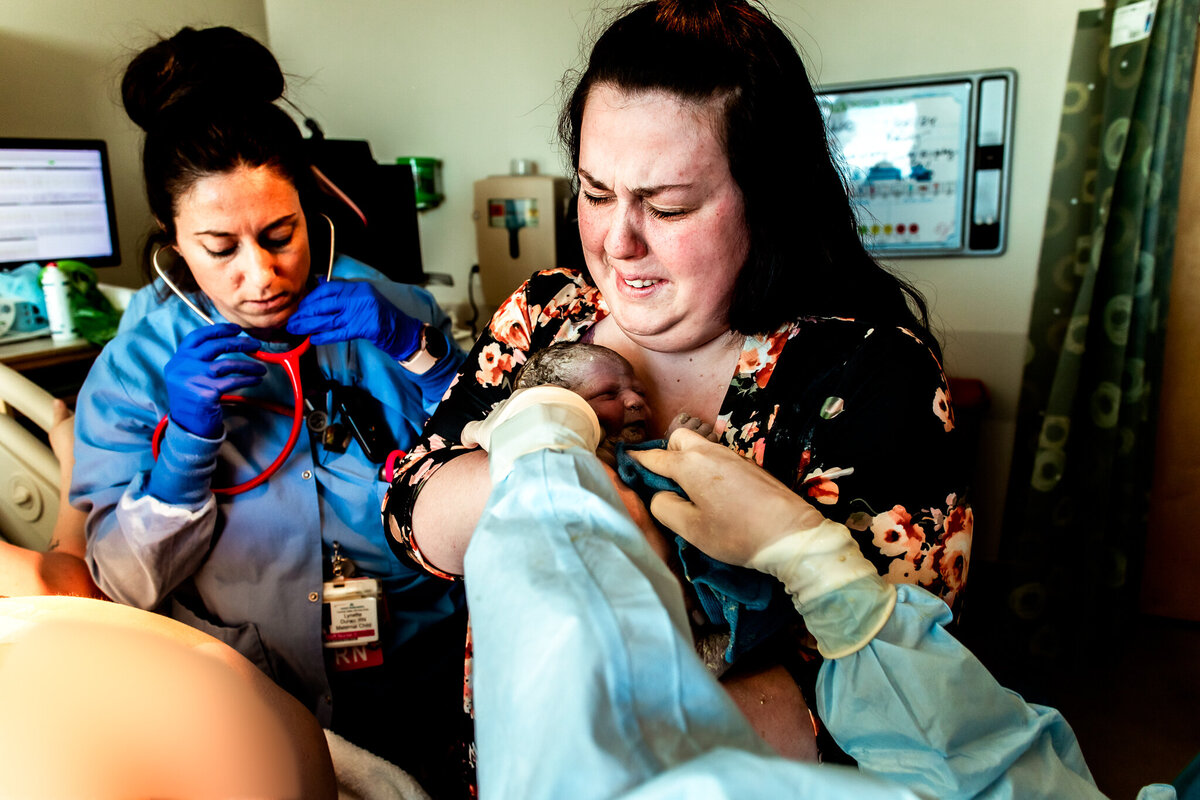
{"type": "Point", "coordinates": [739, 514]}
{"type": "Point", "coordinates": [337, 311]}
{"type": "Point", "coordinates": [734, 508]}
{"type": "Point", "coordinates": [196, 376]}
{"type": "Point", "coordinates": [537, 418]}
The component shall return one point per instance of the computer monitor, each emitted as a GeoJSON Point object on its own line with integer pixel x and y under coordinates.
{"type": "Point", "coordinates": [56, 202]}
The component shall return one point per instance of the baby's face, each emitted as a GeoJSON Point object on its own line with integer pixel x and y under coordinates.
{"type": "Point", "coordinates": [617, 397]}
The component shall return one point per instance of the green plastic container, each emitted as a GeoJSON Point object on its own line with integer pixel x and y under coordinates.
{"type": "Point", "coordinates": [427, 179]}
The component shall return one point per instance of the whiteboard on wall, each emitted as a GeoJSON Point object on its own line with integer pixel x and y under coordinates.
{"type": "Point", "coordinates": [926, 160]}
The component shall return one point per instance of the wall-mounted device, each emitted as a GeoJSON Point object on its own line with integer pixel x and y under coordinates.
{"type": "Point", "coordinates": [927, 159]}
{"type": "Point", "coordinates": [518, 222]}
{"type": "Point", "coordinates": [56, 202]}
{"type": "Point", "coordinates": [375, 215]}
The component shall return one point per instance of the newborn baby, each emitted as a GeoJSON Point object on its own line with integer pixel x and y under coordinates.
{"type": "Point", "coordinates": [600, 376]}
{"type": "Point", "coordinates": [607, 382]}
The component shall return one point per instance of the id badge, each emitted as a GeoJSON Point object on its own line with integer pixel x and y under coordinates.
{"type": "Point", "coordinates": [351, 614]}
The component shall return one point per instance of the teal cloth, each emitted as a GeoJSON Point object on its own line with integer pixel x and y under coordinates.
{"type": "Point", "coordinates": [751, 603]}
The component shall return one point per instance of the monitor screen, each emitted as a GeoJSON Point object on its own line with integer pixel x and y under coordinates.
{"type": "Point", "coordinates": [56, 202]}
{"type": "Point", "coordinates": [926, 160]}
{"type": "Point", "coordinates": [903, 156]}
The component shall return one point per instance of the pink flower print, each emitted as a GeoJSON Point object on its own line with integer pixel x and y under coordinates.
{"type": "Point", "coordinates": [750, 361]}
{"type": "Point", "coordinates": [821, 486]}
{"type": "Point", "coordinates": [758, 450]}
{"type": "Point", "coordinates": [565, 303]}
{"type": "Point", "coordinates": [493, 364]}
{"type": "Point", "coordinates": [918, 569]}
{"type": "Point", "coordinates": [895, 533]}
{"type": "Point", "coordinates": [901, 570]}
{"type": "Point", "coordinates": [771, 419]}
{"type": "Point", "coordinates": [927, 572]}
{"type": "Point", "coordinates": [956, 558]}
{"type": "Point", "coordinates": [749, 430]}
{"type": "Point", "coordinates": [468, 669]}
{"type": "Point", "coordinates": [450, 388]}
{"type": "Point", "coordinates": [942, 409]}
{"type": "Point", "coordinates": [760, 354]}
{"type": "Point", "coordinates": [510, 323]}
{"type": "Point", "coordinates": [420, 474]}
{"type": "Point", "coordinates": [775, 345]}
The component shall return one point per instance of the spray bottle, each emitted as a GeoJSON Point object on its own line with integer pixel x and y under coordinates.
{"type": "Point", "coordinates": [58, 310]}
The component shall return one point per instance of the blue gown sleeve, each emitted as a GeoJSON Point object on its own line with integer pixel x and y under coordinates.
{"type": "Point", "coordinates": [961, 735]}
{"type": "Point", "coordinates": [586, 683]}
{"type": "Point", "coordinates": [139, 548]}
{"type": "Point", "coordinates": [585, 680]}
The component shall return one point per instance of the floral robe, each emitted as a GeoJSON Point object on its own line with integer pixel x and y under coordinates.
{"type": "Point", "coordinates": [857, 418]}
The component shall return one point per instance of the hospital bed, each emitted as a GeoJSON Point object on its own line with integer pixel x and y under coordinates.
{"type": "Point", "coordinates": [29, 470]}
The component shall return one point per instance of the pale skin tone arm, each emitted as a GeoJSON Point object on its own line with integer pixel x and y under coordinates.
{"type": "Point", "coordinates": [103, 700]}
{"type": "Point", "coordinates": [451, 503]}
{"type": "Point", "coordinates": [61, 569]}
{"type": "Point", "coordinates": [768, 697]}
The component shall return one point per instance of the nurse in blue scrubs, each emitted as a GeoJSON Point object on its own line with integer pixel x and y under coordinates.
{"type": "Point", "coordinates": [294, 573]}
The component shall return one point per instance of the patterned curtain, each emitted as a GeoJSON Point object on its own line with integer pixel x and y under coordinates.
{"type": "Point", "coordinates": [1078, 492]}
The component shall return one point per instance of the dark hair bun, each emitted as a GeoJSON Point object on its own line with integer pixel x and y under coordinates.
{"type": "Point", "coordinates": [221, 65]}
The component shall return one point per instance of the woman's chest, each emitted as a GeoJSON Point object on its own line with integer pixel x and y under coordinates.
{"type": "Point", "coordinates": [694, 383]}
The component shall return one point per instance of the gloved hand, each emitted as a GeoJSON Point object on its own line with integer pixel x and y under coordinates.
{"type": "Point", "coordinates": [537, 418]}
{"type": "Point", "coordinates": [337, 311]}
{"type": "Point", "coordinates": [196, 378]}
{"type": "Point", "coordinates": [738, 513]}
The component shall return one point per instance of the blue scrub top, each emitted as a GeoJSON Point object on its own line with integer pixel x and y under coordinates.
{"type": "Point", "coordinates": [248, 569]}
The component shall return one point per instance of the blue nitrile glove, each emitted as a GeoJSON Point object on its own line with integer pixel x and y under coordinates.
{"type": "Point", "coordinates": [196, 377]}
{"type": "Point", "coordinates": [337, 311]}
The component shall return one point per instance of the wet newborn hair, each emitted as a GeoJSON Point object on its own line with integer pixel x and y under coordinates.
{"type": "Point", "coordinates": [560, 364]}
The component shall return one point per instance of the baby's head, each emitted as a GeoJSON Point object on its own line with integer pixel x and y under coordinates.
{"type": "Point", "coordinates": [600, 376]}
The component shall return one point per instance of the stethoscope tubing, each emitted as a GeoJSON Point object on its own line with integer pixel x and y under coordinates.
{"type": "Point", "coordinates": [289, 360]}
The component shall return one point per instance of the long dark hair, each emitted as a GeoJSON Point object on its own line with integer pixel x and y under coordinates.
{"type": "Point", "coordinates": [806, 258]}
{"type": "Point", "coordinates": [206, 100]}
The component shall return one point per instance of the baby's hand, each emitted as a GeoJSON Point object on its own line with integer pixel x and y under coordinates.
{"type": "Point", "coordinates": [607, 452]}
{"type": "Point", "coordinates": [685, 420]}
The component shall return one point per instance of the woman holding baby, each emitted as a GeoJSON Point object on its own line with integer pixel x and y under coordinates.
{"type": "Point", "coordinates": [722, 260]}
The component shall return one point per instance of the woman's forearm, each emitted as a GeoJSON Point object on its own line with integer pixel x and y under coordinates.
{"type": "Point", "coordinates": [25, 572]}
{"type": "Point", "coordinates": [448, 508]}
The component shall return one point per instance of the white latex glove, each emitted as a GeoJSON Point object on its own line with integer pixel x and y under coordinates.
{"type": "Point", "coordinates": [537, 418]}
{"type": "Point", "coordinates": [738, 513]}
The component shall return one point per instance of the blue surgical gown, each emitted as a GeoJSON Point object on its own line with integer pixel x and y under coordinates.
{"type": "Point", "coordinates": [587, 686]}
{"type": "Point", "coordinates": [249, 569]}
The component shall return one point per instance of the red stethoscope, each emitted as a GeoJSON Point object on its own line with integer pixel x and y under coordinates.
{"type": "Point", "coordinates": [289, 360]}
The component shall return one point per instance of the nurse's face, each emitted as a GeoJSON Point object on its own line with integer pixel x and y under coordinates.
{"type": "Point", "coordinates": [244, 237]}
{"type": "Point", "coordinates": [661, 219]}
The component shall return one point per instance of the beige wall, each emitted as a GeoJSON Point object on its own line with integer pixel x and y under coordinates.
{"type": "Point", "coordinates": [60, 66]}
{"type": "Point", "coordinates": [981, 305]}
{"type": "Point", "coordinates": [475, 83]}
